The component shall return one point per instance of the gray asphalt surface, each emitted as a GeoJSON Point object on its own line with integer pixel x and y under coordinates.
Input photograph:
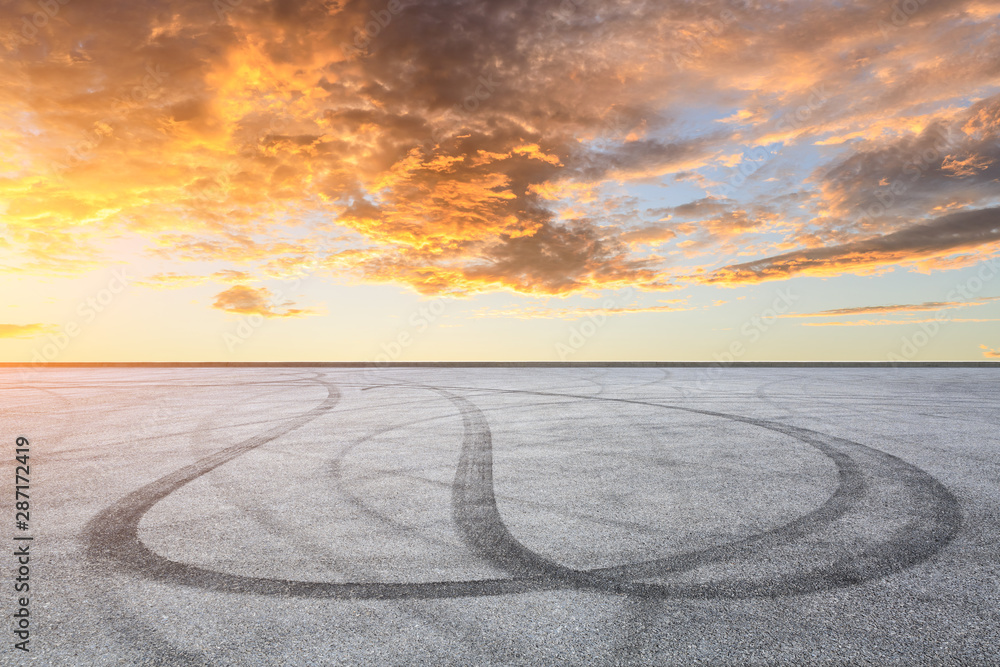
{"type": "Point", "coordinates": [507, 515]}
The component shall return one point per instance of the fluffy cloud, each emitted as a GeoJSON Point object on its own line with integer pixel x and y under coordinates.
{"type": "Point", "coordinates": [450, 145]}
{"type": "Point", "coordinates": [954, 160]}
{"type": "Point", "coordinates": [255, 301]}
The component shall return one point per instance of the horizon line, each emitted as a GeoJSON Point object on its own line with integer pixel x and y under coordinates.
{"type": "Point", "coordinates": [499, 364]}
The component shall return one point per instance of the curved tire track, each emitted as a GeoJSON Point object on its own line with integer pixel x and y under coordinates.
{"type": "Point", "coordinates": [112, 538]}
{"type": "Point", "coordinates": [935, 519]}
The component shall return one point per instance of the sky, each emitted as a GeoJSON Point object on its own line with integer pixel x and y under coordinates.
{"type": "Point", "coordinates": [537, 180]}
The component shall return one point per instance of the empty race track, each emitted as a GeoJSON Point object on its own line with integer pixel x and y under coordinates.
{"type": "Point", "coordinates": [311, 516]}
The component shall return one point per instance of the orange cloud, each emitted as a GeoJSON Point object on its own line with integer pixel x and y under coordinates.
{"type": "Point", "coordinates": [897, 308]}
{"type": "Point", "coordinates": [250, 301]}
{"type": "Point", "coordinates": [941, 237]}
{"type": "Point", "coordinates": [25, 330]}
{"type": "Point", "coordinates": [970, 165]}
{"type": "Point", "coordinates": [652, 235]}
{"type": "Point", "coordinates": [441, 151]}
{"type": "Point", "coordinates": [874, 323]}
{"type": "Point", "coordinates": [989, 352]}
{"type": "Point", "coordinates": [231, 276]}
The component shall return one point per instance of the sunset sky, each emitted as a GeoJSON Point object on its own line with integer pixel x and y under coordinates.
{"type": "Point", "coordinates": [237, 180]}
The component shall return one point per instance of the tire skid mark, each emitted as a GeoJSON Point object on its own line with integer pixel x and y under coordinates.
{"type": "Point", "coordinates": [113, 535]}
{"type": "Point", "coordinates": [935, 519]}
{"type": "Point", "coordinates": [938, 519]}
{"type": "Point", "coordinates": [112, 539]}
{"type": "Point", "coordinates": [474, 505]}
{"type": "Point", "coordinates": [335, 466]}
{"type": "Point", "coordinates": [850, 489]}
{"type": "Point", "coordinates": [335, 470]}
{"type": "Point", "coordinates": [141, 639]}
{"type": "Point", "coordinates": [254, 512]}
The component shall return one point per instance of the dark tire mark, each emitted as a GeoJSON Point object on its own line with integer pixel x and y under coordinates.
{"type": "Point", "coordinates": [334, 468]}
{"type": "Point", "coordinates": [112, 540]}
{"type": "Point", "coordinates": [935, 518]}
{"type": "Point", "coordinates": [850, 489]}
{"type": "Point", "coordinates": [474, 505]}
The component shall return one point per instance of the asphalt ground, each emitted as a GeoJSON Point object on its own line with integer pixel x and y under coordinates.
{"type": "Point", "coordinates": [457, 516]}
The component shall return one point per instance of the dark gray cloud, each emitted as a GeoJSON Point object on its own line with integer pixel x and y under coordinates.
{"type": "Point", "coordinates": [965, 230]}
{"type": "Point", "coordinates": [947, 163]}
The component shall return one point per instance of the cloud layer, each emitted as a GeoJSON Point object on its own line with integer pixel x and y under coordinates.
{"type": "Point", "coordinates": [540, 147]}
